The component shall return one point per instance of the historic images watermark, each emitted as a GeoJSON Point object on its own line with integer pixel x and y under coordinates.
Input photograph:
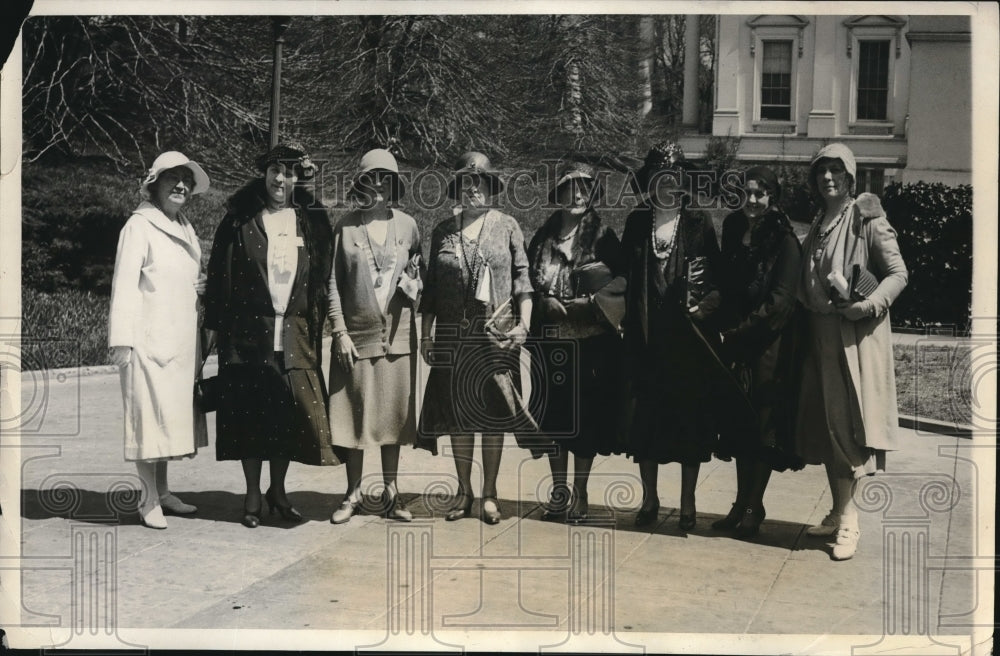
{"type": "Point", "coordinates": [427, 189]}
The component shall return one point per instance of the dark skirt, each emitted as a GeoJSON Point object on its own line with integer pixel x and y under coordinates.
{"type": "Point", "coordinates": [677, 398]}
{"type": "Point", "coordinates": [472, 387]}
{"type": "Point", "coordinates": [578, 394]}
{"type": "Point", "coordinates": [273, 413]}
{"type": "Point", "coordinates": [770, 437]}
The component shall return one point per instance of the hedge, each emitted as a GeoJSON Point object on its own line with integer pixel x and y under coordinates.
{"type": "Point", "coordinates": [934, 224]}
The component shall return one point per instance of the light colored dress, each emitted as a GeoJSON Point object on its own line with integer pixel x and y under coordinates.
{"type": "Point", "coordinates": [154, 310]}
{"type": "Point", "coordinates": [374, 403]}
{"type": "Point", "coordinates": [847, 401]}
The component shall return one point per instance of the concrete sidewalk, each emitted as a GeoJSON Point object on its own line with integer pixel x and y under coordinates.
{"type": "Point", "coordinates": [520, 578]}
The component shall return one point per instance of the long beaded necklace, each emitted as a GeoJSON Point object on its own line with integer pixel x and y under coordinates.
{"type": "Point", "coordinates": [823, 237]}
{"type": "Point", "coordinates": [379, 264]}
{"type": "Point", "coordinates": [471, 265]}
{"type": "Point", "coordinates": [661, 249]}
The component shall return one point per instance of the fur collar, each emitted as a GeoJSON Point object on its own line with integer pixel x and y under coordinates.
{"type": "Point", "coordinates": [251, 199]}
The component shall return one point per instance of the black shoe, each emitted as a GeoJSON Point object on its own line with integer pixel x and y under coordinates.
{"type": "Point", "coordinates": [730, 521]}
{"type": "Point", "coordinates": [460, 510]}
{"type": "Point", "coordinates": [647, 516]}
{"type": "Point", "coordinates": [251, 518]}
{"type": "Point", "coordinates": [553, 515]}
{"type": "Point", "coordinates": [491, 516]}
{"type": "Point", "coordinates": [288, 513]}
{"type": "Point", "coordinates": [749, 525]}
{"type": "Point", "coordinates": [687, 522]}
{"type": "Point", "coordinates": [578, 513]}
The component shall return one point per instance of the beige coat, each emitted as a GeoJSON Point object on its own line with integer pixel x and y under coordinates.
{"type": "Point", "coordinates": [154, 309]}
{"type": "Point", "coordinates": [869, 240]}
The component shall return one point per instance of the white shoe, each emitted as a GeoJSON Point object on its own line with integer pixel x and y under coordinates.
{"type": "Point", "coordinates": [343, 514]}
{"type": "Point", "coordinates": [827, 527]}
{"type": "Point", "coordinates": [846, 544]}
{"type": "Point", "coordinates": [152, 518]}
{"type": "Point", "coordinates": [172, 504]}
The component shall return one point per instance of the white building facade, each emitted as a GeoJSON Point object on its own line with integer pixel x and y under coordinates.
{"type": "Point", "coordinates": [896, 89]}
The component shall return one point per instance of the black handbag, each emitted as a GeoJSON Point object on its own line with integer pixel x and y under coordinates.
{"type": "Point", "coordinates": [208, 394]}
{"type": "Point", "coordinates": [863, 283]}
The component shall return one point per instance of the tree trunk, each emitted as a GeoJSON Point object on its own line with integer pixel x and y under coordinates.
{"type": "Point", "coordinates": [646, 53]}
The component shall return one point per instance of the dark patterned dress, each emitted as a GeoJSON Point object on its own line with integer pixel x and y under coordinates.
{"type": "Point", "coordinates": [473, 385]}
{"type": "Point", "coordinates": [273, 402]}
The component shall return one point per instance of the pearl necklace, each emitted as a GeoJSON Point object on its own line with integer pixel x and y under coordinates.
{"type": "Point", "coordinates": [660, 250]}
{"type": "Point", "coordinates": [824, 236]}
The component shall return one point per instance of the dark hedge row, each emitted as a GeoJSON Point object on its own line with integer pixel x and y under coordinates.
{"type": "Point", "coordinates": [934, 222]}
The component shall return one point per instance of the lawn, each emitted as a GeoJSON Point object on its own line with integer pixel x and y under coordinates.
{"type": "Point", "coordinates": [934, 380]}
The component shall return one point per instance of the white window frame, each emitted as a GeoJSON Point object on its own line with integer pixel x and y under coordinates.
{"type": "Point", "coordinates": [873, 28]}
{"type": "Point", "coordinates": [776, 33]}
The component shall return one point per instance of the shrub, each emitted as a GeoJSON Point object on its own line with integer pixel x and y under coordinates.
{"type": "Point", "coordinates": [720, 156]}
{"type": "Point", "coordinates": [934, 223]}
{"type": "Point", "coordinates": [67, 328]}
{"type": "Point", "coordinates": [796, 201]}
{"type": "Point", "coordinates": [72, 215]}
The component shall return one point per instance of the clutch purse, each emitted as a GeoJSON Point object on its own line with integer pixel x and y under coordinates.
{"type": "Point", "coordinates": [208, 394]}
{"type": "Point", "coordinates": [502, 320]}
{"type": "Point", "coordinates": [863, 283]}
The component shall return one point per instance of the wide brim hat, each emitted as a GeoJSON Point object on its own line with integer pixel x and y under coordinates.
{"type": "Point", "coordinates": [173, 159]}
{"type": "Point", "coordinates": [661, 158]}
{"type": "Point", "coordinates": [470, 164]}
{"type": "Point", "coordinates": [582, 172]}
{"type": "Point", "coordinates": [833, 151]}
{"type": "Point", "coordinates": [382, 162]}
{"type": "Point", "coordinates": [290, 154]}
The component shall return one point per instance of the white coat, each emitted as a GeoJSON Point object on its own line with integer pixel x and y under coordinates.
{"type": "Point", "coordinates": [154, 309]}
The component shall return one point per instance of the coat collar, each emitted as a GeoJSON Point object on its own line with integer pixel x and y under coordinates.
{"type": "Point", "coordinates": [180, 229]}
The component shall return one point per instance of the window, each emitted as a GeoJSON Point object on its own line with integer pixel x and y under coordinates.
{"type": "Point", "coordinates": [870, 180]}
{"type": "Point", "coordinates": [776, 81]}
{"type": "Point", "coordinates": [873, 80]}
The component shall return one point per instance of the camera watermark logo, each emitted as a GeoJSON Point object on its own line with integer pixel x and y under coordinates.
{"type": "Point", "coordinates": [43, 385]}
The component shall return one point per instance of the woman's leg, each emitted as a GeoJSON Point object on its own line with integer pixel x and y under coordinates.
{"type": "Point", "coordinates": [559, 497]}
{"type": "Point", "coordinates": [354, 465]}
{"type": "Point", "coordinates": [689, 480]}
{"type": "Point", "coordinates": [393, 505]}
{"type": "Point", "coordinates": [169, 501]}
{"type": "Point", "coordinates": [760, 475]}
{"type": "Point", "coordinates": [462, 447]}
{"type": "Point", "coordinates": [278, 470]}
{"type": "Point", "coordinates": [150, 511]}
{"type": "Point", "coordinates": [352, 497]}
{"type": "Point", "coordinates": [251, 472]}
{"type": "Point", "coordinates": [848, 532]}
{"type": "Point", "coordinates": [581, 476]}
{"type": "Point", "coordinates": [648, 472]}
{"type": "Point", "coordinates": [753, 512]}
{"type": "Point", "coordinates": [390, 466]}
{"type": "Point", "coordinates": [743, 484]}
{"type": "Point", "coordinates": [492, 450]}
